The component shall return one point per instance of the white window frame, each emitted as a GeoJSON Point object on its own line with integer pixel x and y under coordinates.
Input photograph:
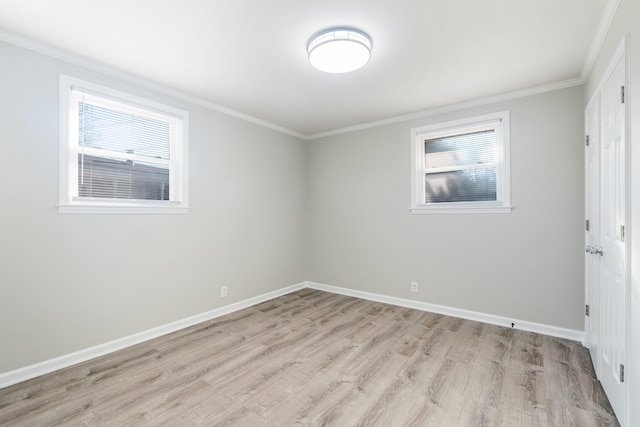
{"type": "Point", "coordinates": [70, 202]}
{"type": "Point", "coordinates": [500, 123]}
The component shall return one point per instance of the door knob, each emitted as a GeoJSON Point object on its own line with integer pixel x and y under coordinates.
{"type": "Point", "coordinates": [594, 250]}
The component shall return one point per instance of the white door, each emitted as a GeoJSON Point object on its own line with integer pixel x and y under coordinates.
{"type": "Point", "coordinates": [592, 229]}
{"type": "Point", "coordinates": [613, 282]}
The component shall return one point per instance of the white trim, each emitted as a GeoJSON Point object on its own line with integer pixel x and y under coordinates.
{"type": "Point", "coordinates": [601, 33]}
{"type": "Point", "coordinates": [593, 107]}
{"type": "Point", "coordinates": [450, 108]}
{"type": "Point", "coordinates": [499, 122]}
{"type": "Point", "coordinates": [56, 53]}
{"type": "Point", "coordinates": [523, 325]}
{"type": "Point", "coordinates": [51, 365]}
{"type": "Point", "coordinates": [53, 52]}
{"type": "Point", "coordinates": [114, 209]}
{"type": "Point", "coordinates": [70, 90]}
{"type": "Point", "coordinates": [47, 366]}
{"type": "Point", "coordinates": [461, 210]}
{"type": "Point", "coordinates": [603, 28]}
{"type": "Point", "coordinates": [620, 53]}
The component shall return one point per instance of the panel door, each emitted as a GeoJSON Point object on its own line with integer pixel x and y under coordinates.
{"type": "Point", "coordinates": [592, 228]}
{"type": "Point", "coordinates": [613, 281]}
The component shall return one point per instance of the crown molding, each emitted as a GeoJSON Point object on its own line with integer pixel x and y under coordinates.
{"type": "Point", "coordinates": [453, 107]}
{"type": "Point", "coordinates": [62, 55]}
{"type": "Point", "coordinates": [601, 33]}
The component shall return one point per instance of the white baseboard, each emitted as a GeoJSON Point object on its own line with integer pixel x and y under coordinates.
{"type": "Point", "coordinates": [524, 325]}
{"type": "Point", "coordinates": [47, 366]}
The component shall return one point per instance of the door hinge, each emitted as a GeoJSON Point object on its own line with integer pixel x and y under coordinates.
{"type": "Point", "coordinates": [587, 140]}
{"type": "Point", "coordinates": [622, 233]}
{"type": "Point", "coordinates": [621, 94]}
{"type": "Point", "coordinates": [621, 373]}
{"type": "Point", "coordinates": [586, 309]}
{"type": "Point", "coordinates": [587, 225]}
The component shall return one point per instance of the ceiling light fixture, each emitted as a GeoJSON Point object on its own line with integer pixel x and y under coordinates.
{"type": "Point", "coordinates": [339, 50]}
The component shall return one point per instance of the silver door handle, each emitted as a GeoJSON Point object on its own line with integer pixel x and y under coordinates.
{"type": "Point", "coordinates": [594, 250]}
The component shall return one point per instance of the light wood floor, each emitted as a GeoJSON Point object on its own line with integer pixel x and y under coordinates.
{"type": "Point", "coordinates": [315, 358]}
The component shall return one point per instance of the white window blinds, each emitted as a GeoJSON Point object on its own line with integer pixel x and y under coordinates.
{"type": "Point", "coordinates": [461, 168]}
{"type": "Point", "coordinates": [120, 153]}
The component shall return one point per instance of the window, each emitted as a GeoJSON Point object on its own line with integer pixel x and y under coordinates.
{"type": "Point", "coordinates": [462, 166]}
{"type": "Point", "coordinates": [120, 153]}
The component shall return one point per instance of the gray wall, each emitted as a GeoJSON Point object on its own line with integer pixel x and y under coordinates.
{"type": "Point", "coordinates": [527, 265]}
{"type": "Point", "coordinates": [68, 282]}
{"type": "Point", "coordinates": [269, 210]}
{"type": "Point", "coordinates": [626, 23]}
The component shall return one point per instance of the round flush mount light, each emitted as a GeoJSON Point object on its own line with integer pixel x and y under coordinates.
{"type": "Point", "coordinates": [339, 50]}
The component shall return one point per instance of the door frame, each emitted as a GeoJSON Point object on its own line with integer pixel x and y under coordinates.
{"type": "Point", "coordinates": [621, 53]}
{"type": "Point", "coordinates": [592, 285]}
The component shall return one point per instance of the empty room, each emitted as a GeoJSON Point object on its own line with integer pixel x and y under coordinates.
{"type": "Point", "coordinates": [290, 213]}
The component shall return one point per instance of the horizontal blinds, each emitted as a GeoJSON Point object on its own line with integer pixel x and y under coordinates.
{"type": "Point", "coordinates": [123, 132]}
{"type": "Point", "coordinates": [469, 185]}
{"type": "Point", "coordinates": [465, 149]}
{"type": "Point", "coordinates": [461, 168]}
{"type": "Point", "coordinates": [122, 154]}
{"type": "Point", "coordinates": [121, 179]}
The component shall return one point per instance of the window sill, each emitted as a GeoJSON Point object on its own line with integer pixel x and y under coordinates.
{"type": "Point", "coordinates": [112, 209]}
{"type": "Point", "coordinates": [461, 209]}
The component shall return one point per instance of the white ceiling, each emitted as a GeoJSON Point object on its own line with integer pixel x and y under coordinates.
{"type": "Point", "coordinates": [250, 55]}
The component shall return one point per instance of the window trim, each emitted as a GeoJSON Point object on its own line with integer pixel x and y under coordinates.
{"type": "Point", "coordinates": [499, 120]}
{"type": "Point", "coordinates": [71, 204]}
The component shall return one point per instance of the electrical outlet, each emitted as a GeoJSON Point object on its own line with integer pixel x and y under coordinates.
{"type": "Point", "coordinates": [414, 286]}
{"type": "Point", "coordinates": [223, 292]}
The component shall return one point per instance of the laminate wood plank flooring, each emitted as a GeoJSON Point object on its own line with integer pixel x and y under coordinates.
{"type": "Point", "coordinates": [313, 358]}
